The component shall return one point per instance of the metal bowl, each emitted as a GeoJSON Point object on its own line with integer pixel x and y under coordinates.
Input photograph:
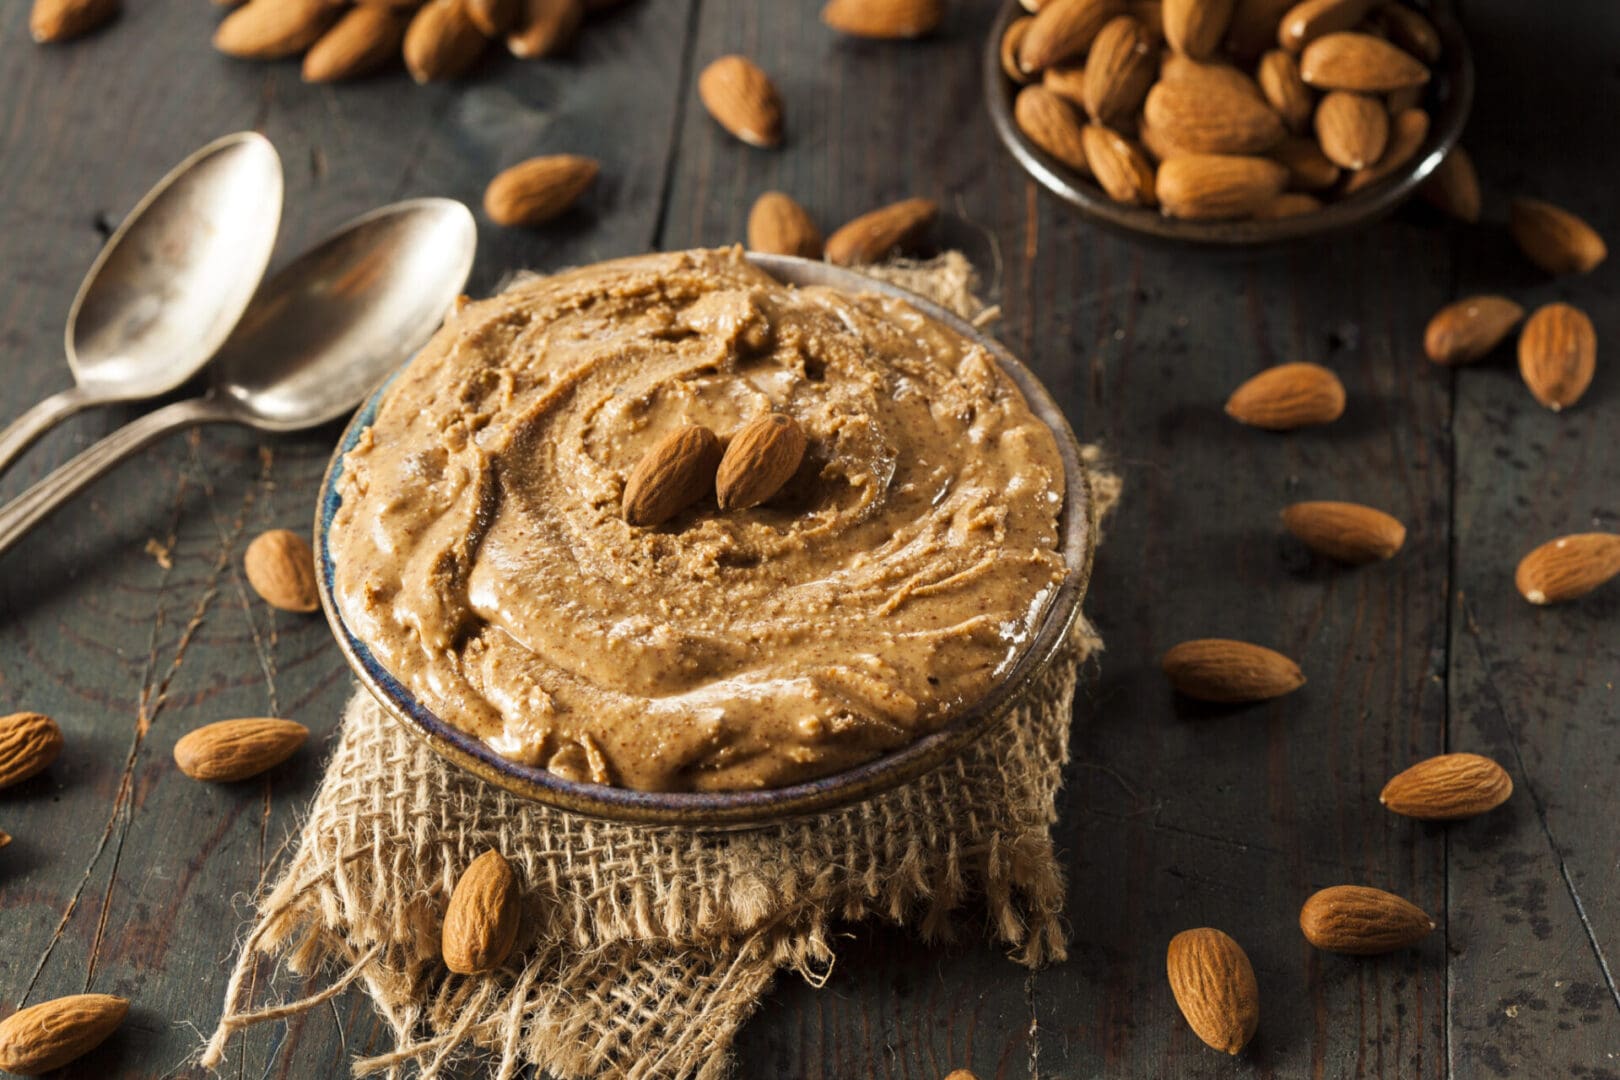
{"type": "Point", "coordinates": [1450, 96]}
{"type": "Point", "coordinates": [745, 808]}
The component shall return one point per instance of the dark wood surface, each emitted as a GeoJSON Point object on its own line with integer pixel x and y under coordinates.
{"type": "Point", "coordinates": [127, 878]}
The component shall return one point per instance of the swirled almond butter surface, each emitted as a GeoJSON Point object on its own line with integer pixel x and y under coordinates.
{"type": "Point", "coordinates": [482, 553]}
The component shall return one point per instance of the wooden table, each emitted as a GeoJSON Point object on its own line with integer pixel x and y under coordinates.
{"type": "Point", "coordinates": [128, 618]}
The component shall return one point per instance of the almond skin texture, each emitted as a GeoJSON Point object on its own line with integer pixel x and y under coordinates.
{"type": "Point", "coordinates": [762, 456]}
{"type": "Point", "coordinates": [481, 923]}
{"type": "Point", "coordinates": [779, 226]}
{"type": "Point", "coordinates": [1558, 355]}
{"type": "Point", "coordinates": [872, 236]}
{"type": "Point", "coordinates": [743, 100]}
{"type": "Point", "coordinates": [1555, 239]}
{"type": "Point", "coordinates": [29, 743]}
{"type": "Point", "coordinates": [60, 20]}
{"type": "Point", "coordinates": [1205, 119]}
{"type": "Point", "coordinates": [1407, 131]}
{"type": "Point", "coordinates": [1348, 532]}
{"type": "Point", "coordinates": [1305, 22]}
{"type": "Point", "coordinates": [544, 28]}
{"type": "Point", "coordinates": [1287, 396]}
{"type": "Point", "coordinates": [47, 1036]}
{"type": "Point", "coordinates": [1308, 168]}
{"type": "Point", "coordinates": [1361, 921]}
{"type": "Point", "coordinates": [1196, 27]}
{"type": "Point", "coordinates": [1119, 69]}
{"type": "Point", "coordinates": [281, 568]}
{"type": "Point", "coordinates": [1213, 983]}
{"type": "Point", "coordinates": [1468, 329]}
{"type": "Point", "coordinates": [366, 38]}
{"type": "Point", "coordinates": [1569, 567]}
{"type": "Point", "coordinates": [1230, 672]}
{"type": "Point", "coordinates": [273, 29]}
{"type": "Point", "coordinates": [1359, 62]}
{"type": "Point", "coordinates": [441, 41]}
{"type": "Point", "coordinates": [1453, 187]}
{"type": "Point", "coordinates": [535, 191]}
{"type": "Point", "coordinates": [1050, 122]}
{"type": "Point", "coordinates": [1278, 76]}
{"type": "Point", "coordinates": [1120, 166]}
{"type": "Point", "coordinates": [1214, 75]}
{"type": "Point", "coordinates": [1063, 29]}
{"type": "Point", "coordinates": [1353, 129]}
{"type": "Point", "coordinates": [674, 474]}
{"type": "Point", "coordinates": [1449, 787]}
{"type": "Point", "coordinates": [884, 18]}
{"type": "Point", "coordinates": [1216, 186]}
{"type": "Point", "coordinates": [233, 750]}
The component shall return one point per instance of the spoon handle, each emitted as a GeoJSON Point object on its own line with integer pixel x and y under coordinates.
{"type": "Point", "coordinates": [20, 434]}
{"type": "Point", "coordinates": [44, 498]}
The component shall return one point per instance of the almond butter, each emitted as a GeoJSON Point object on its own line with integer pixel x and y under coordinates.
{"type": "Point", "coordinates": [60, 20]}
{"type": "Point", "coordinates": [1288, 204]}
{"type": "Point", "coordinates": [872, 236]}
{"type": "Point", "coordinates": [884, 18]}
{"type": "Point", "coordinates": [1216, 186]}
{"type": "Point", "coordinates": [273, 29]}
{"type": "Point", "coordinates": [1453, 187]}
{"type": "Point", "coordinates": [1230, 672]}
{"type": "Point", "coordinates": [482, 920]}
{"type": "Point", "coordinates": [1410, 29]}
{"type": "Point", "coordinates": [1448, 787]}
{"type": "Point", "coordinates": [1558, 355]}
{"type": "Point", "coordinates": [363, 40]}
{"type": "Point", "coordinates": [1305, 22]}
{"type": "Point", "coordinates": [1359, 62]}
{"type": "Point", "coordinates": [677, 472]}
{"type": "Point", "coordinates": [1120, 166]}
{"type": "Point", "coordinates": [1278, 76]}
{"type": "Point", "coordinates": [779, 226]}
{"type": "Point", "coordinates": [535, 191]}
{"type": "Point", "coordinates": [1253, 28]}
{"type": "Point", "coordinates": [743, 100]}
{"type": "Point", "coordinates": [1064, 29]}
{"type": "Point", "coordinates": [1555, 239]}
{"type": "Point", "coordinates": [1569, 567]}
{"type": "Point", "coordinates": [1308, 168]}
{"type": "Point", "coordinates": [233, 750]}
{"type": "Point", "coordinates": [1361, 921]}
{"type": "Point", "coordinates": [1195, 27]}
{"type": "Point", "coordinates": [50, 1035]}
{"type": "Point", "coordinates": [1407, 132]}
{"type": "Point", "coordinates": [1051, 123]}
{"type": "Point", "coordinates": [29, 742]}
{"type": "Point", "coordinates": [1288, 396]}
{"type": "Point", "coordinates": [441, 42]}
{"type": "Point", "coordinates": [544, 28]}
{"type": "Point", "coordinates": [1213, 984]}
{"type": "Point", "coordinates": [1349, 532]}
{"type": "Point", "coordinates": [1352, 129]}
{"type": "Point", "coordinates": [762, 456]}
{"type": "Point", "coordinates": [1468, 329]}
{"type": "Point", "coordinates": [1208, 119]}
{"type": "Point", "coordinates": [281, 568]}
{"type": "Point", "coordinates": [1011, 38]}
{"type": "Point", "coordinates": [1119, 69]}
{"type": "Point", "coordinates": [493, 17]}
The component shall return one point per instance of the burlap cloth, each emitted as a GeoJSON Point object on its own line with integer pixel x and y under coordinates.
{"type": "Point", "coordinates": [644, 949]}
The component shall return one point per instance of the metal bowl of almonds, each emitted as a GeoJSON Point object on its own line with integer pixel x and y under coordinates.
{"type": "Point", "coordinates": [1229, 124]}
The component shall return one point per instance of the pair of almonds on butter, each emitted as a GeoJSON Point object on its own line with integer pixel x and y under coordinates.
{"type": "Point", "coordinates": [778, 225]}
{"type": "Point", "coordinates": [688, 463]}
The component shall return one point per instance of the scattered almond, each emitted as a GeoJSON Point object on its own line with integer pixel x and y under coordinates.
{"type": "Point", "coordinates": [363, 40]}
{"type": "Point", "coordinates": [1453, 187]}
{"type": "Point", "coordinates": [29, 743]}
{"type": "Point", "coordinates": [1407, 132]}
{"type": "Point", "coordinates": [1348, 532]}
{"type": "Point", "coordinates": [273, 29]}
{"type": "Point", "coordinates": [742, 99]}
{"type": "Point", "coordinates": [481, 922]}
{"type": "Point", "coordinates": [677, 472]}
{"type": "Point", "coordinates": [779, 226]}
{"type": "Point", "coordinates": [1010, 40]}
{"type": "Point", "coordinates": [544, 28]}
{"type": "Point", "coordinates": [1230, 672]}
{"type": "Point", "coordinates": [1063, 29]}
{"type": "Point", "coordinates": [1569, 567]}
{"type": "Point", "coordinates": [1209, 119]}
{"type": "Point", "coordinates": [1215, 186]}
{"type": "Point", "coordinates": [884, 18]}
{"type": "Point", "coordinates": [1119, 69]}
{"type": "Point", "coordinates": [1448, 788]}
{"type": "Point", "coordinates": [1359, 62]}
{"type": "Point", "coordinates": [1287, 396]}
{"type": "Point", "coordinates": [1353, 129]}
{"type": "Point", "coordinates": [52, 1034]}
{"type": "Point", "coordinates": [1120, 166]}
{"type": "Point", "coordinates": [533, 192]}
{"type": "Point", "coordinates": [1195, 27]}
{"type": "Point", "coordinates": [281, 568]}
{"type": "Point", "coordinates": [1305, 22]}
{"type": "Point", "coordinates": [1278, 76]}
{"type": "Point", "coordinates": [1213, 984]}
{"type": "Point", "coordinates": [441, 41]}
{"type": "Point", "coordinates": [762, 456]}
{"type": "Point", "coordinates": [1050, 122]}
{"type": "Point", "coordinates": [1468, 329]}
{"type": "Point", "coordinates": [232, 750]}
{"type": "Point", "coordinates": [1361, 921]}
{"type": "Point", "coordinates": [1308, 168]}
{"type": "Point", "coordinates": [60, 20]}
{"type": "Point", "coordinates": [1558, 355]}
{"type": "Point", "coordinates": [1555, 239]}
{"type": "Point", "coordinates": [872, 236]}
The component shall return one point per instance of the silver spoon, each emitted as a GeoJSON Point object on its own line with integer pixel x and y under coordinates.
{"type": "Point", "coordinates": [319, 336]}
{"type": "Point", "coordinates": [169, 285]}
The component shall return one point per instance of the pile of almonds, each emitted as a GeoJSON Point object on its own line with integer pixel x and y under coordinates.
{"type": "Point", "coordinates": [1223, 109]}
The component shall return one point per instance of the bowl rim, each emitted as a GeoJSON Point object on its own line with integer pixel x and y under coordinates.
{"type": "Point", "coordinates": [1447, 121]}
{"type": "Point", "coordinates": [1077, 532]}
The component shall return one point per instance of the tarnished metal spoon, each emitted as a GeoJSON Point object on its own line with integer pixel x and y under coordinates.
{"type": "Point", "coordinates": [169, 285]}
{"type": "Point", "coordinates": [319, 336]}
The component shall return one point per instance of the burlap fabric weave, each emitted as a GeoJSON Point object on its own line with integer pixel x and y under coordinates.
{"type": "Point", "coordinates": [644, 949]}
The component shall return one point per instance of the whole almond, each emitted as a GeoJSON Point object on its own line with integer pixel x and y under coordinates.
{"type": "Point", "coordinates": [742, 99]}
{"type": "Point", "coordinates": [1011, 38]}
{"type": "Point", "coordinates": [1468, 329]}
{"type": "Point", "coordinates": [441, 41]}
{"type": "Point", "coordinates": [1196, 27]}
{"type": "Point", "coordinates": [1120, 166]}
{"type": "Point", "coordinates": [1230, 672]}
{"type": "Point", "coordinates": [1216, 186]}
{"type": "Point", "coordinates": [884, 18]}
{"type": "Point", "coordinates": [281, 568]}
{"type": "Point", "coordinates": [1558, 355]}
{"type": "Point", "coordinates": [493, 17]}
{"type": "Point", "coordinates": [1207, 119]}
{"type": "Point", "coordinates": [1410, 29]}
{"type": "Point", "coordinates": [272, 29]}
{"type": "Point", "coordinates": [1407, 132]}
{"type": "Point", "coordinates": [232, 750]}
{"type": "Point", "coordinates": [544, 28]}
{"type": "Point", "coordinates": [779, 226]}
{"type": "Point", "coordinates": [872, 236]}
{"type": "Point", "coordinates": [1449, 787]}
{"type": "Point", "coordinates": [762, 456]}
{"type": "Point", "coordinates": [1305, 22]}
{"type": "Point", "coordinates": [1051, 123]}
{"type": "Point", "coordinates": [1359, 62]}
{"type": "Point", "coordinates": [29, 743]}
{"type": "Point", "coordinates": [1361, 921]}
{"type": "Point", "coordinates": [1213, 984]}
{"type": "Point", "coordinates": [1569, 567]}
{"type": "Point", "coordinates": [1353, 129]}
{"type": "Point", "coordinates": [1215, 75]}
{"type": "Point", "coordinates": [1287, 396]}
{"type": "Point", "coordinates": [1278, 76]}
{"type": "Point", "coordinates": [60, 20]}
{"type": "Point", "coordinates": [1349, 532]}
{"type": "Point", "coordinates": [1119, 69]}
{"type": "Point", "coordinates": [1253, 28]}
{"type": "Point", "coordinates": [533, 192]}
{"type": "Point", "coordinates": [481, 921]}
{"type": "Point", "coordinates": [1453, 187]}
{"type": "Point", "coordinates": [674, 474]}
{"type": "Point", "coordinates": [1555, 239]}
{"type": "Point", "coordinates": [1308, 168]}
{"type": "Point", "coordinates": [363, 40]}
{"type": "Point", "coordinates": [1064, 29]}
{"type": "Point", "coordinates": [1288, 204]}
{"type": "Point", "coordinates": [47, 1036]}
